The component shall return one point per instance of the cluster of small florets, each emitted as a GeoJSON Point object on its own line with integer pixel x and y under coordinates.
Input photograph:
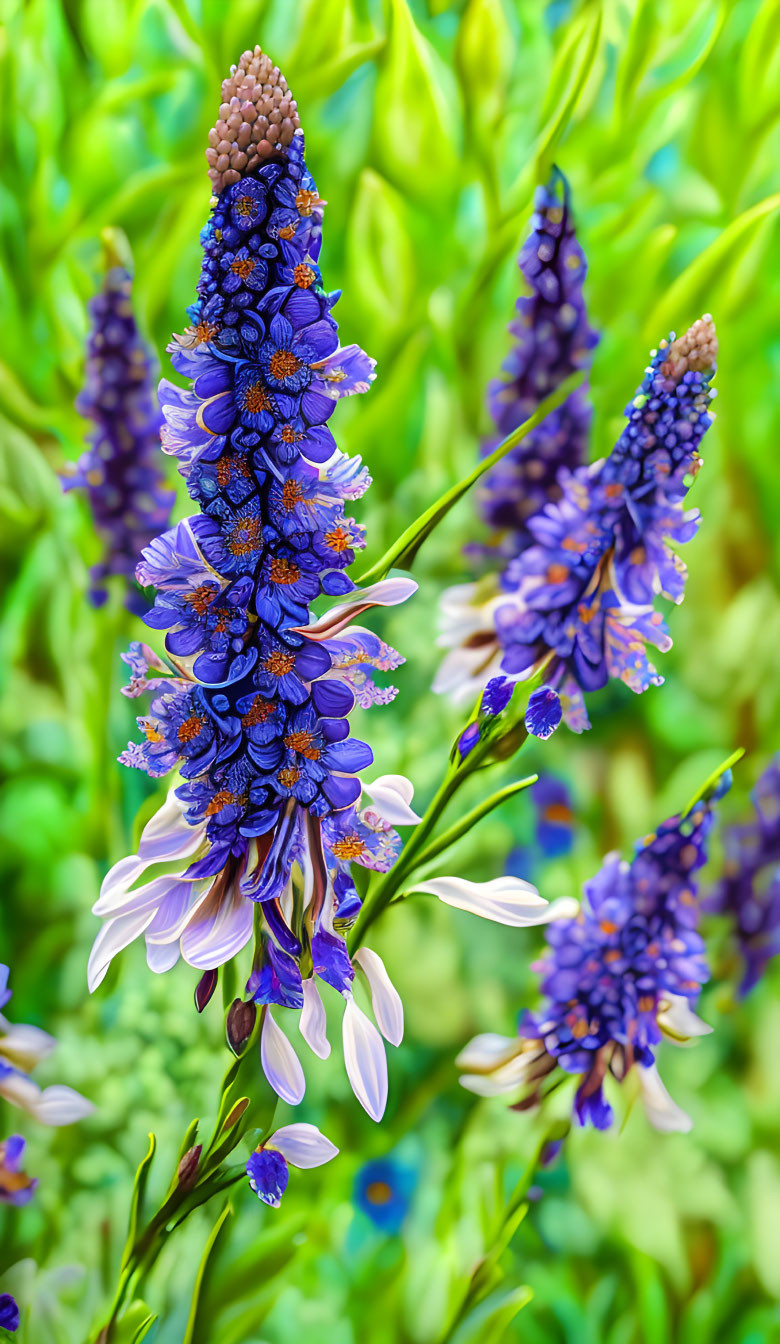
{"type": "Point", "coordinates": [120, 471]}
{"type": "Point", "coordinates": [749, 891]}
{"type": "Point", "coordinates": [632, 952]}
{"type": "Point", "coordinates": [553, 340]}
{"type": "Point", "coordinates": [257, 117]}
{"type": "Point", "coordinates": [584, 591]}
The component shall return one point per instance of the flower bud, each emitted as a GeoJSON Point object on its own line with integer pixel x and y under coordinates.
{"type": "Point", "coordinates": [240, 1024]}
{"type": "Point", "coordinates": [188, 1167]}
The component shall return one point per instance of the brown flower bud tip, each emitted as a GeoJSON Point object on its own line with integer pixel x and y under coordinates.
{"type": "Point", "coordinates": [240, 1024]}
{"type": "Point", "coordinates": [258, 118]}
{"type": "Point", "coordinates": [697, 350]}
{"type": "Point", "coordinates": [188, 1167]}
{"type": "Point", "coordinates": [205, 988]}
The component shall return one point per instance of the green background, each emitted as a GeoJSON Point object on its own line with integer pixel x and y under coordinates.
{"type": "Point", "coordinates": [428, 125]}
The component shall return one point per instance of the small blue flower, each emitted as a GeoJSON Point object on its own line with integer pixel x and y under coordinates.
{"type": "Point", "coordinates": [383, 1190]}
{"type": "Point", "coordinates": [554, 831]}
{"type": "Point", "coordinates": [268, 1176]}
{"type": "Point", "coordinates": [9, 1313]}
{"type": "Point", "coordinates": [496, 695]}
{"type": "Point", "coordinates": [543, 713]}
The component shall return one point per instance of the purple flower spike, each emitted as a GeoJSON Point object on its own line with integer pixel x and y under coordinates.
{"type": "Point", "coordinates": [543, 713]}
{"type": "Point", "coordinates": [120, 472]}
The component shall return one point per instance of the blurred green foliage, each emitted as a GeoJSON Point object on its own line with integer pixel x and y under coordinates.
{"type": "Point", "coordinates": [428, 124]}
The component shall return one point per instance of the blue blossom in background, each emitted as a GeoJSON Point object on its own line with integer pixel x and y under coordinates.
{"type": "Point", "coordinates": [383, 1191]}
{"type": "Point", "coordinates": [749, 890]}
{"type": "Point", "coordinates": [9, 1312]}
{"type": "Point", "coordinates": [120, 471]}
{"type": "Point", "coordinates": [554, 816]}
{"type": "Point", "coordinates": [16, 1187]}
{"type": "Point", "coordinates": [579, 601]}
{"type": "Point", "coordinates": [616, 978]}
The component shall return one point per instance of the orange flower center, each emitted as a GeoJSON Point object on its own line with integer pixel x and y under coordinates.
{"type": "Point", "coordinates": [243, 266]}
{"type": "Point", "coordinates": [260, 711]}
{"type": "Point", "coordinates": [222, 799]}
{"type": "Point", "coordinates": [304, 276]}
{"type": "Point", "coordinates": [244, 206]}
{"type": "Point", "coordinates": [256, 399]}
{"type": "Point", "coordinates": [283, 571]}
{"type": "Point", "coordinates": [289, 776]}
{"type": "Point", "coordinates": [200, 599]}
{"type": "Point", "coordinates": [348, 847]}
{"type": "Point", "coordinates": [205, 331]}
{"type": "Point", "coordinates": [305, 201]}
{"type": "Point", "coordinates": [283, 364]}
{"type": "Point", "coordinates": [288, 231]}
{"type": "Point", "coordinates": [302, 743]}
{"type": "Point", "coordinates": [288, 435]}
{"type": "Point", "coordinates": [338, 539]}
{"type": "Point", "coordinates": [245, 536]}
{"type": "Point", "coordinates": [190, 729]}
{"type": "Point", "coordinates": [292, 494]}
{"type": "Point", "coordinates": [279, 664]}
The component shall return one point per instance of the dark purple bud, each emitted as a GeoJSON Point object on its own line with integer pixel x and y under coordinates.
{"type": "Point", "coordinates": [188, 1167]}
{"type": "Point", "coordinates": [240, 1024]}
{"type": "Point", "coordinates": [468, 740]}
{"type": "Point", "coordinates": [205, 988]}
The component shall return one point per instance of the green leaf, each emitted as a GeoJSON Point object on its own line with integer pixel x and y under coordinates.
{"type": "Point", "coordinates": [462, 827]}
{"type": "Point", "coordinates": [566, 86]}
{"type": "Point", "coordinates": [402, 553]}
{"type": "Point", "coordinates": [488, 1322]}
{"type": "Point", "coordinates": [134, 1325]}
{"type": "Point", "coordinates": [711, 780]}
{"type": "Point", "coordinates": [137, 1198]}
{"type": "Point", "coordinates": [484, 52]}
{"type": "Point", "coordinates": [190, 1337]}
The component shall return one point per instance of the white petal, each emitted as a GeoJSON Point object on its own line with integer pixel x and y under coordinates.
{"type": "Point", "coordinates": [387, 593]}
{"type": "Point", "coordinates": [58, 1105]}
{"type": "Point", "coordinates": [364, 1058]}
{"type": "Point", "coordinates": [385, 999]}
{"type": "Point", "coordinates": [392, 795]}
{"type": "Point", "coordinates": [162, 957]}
{"type": "Point", "coordinates": [662, 1112]}
{"type": "Point", "coordinates": [312, 1021]}
{"type": "Point", "coordinates": [24, 1046]}
{"type": "Point", "coordinates": [487, 1052]}
{"type": "Point", "coordinates": [462, 673]}
{"type": "Point", "coordinates": [679, 1020]}
{"type": "Point", "coordinates": [161, 842]}
{"type": "Point", "coordinates": [115, 936]}
{"type": "Point", "coordinates": [507, 1078]}
{"type": "Point", "coordinates": [177, 909]}
{"type": "Point", "coordinates": [505, 900]}
{"type": "Point", "coordinates": [303, 1145]}
{"type": "Point", "coordinates": [214, 937]}
{"type": "Point", "coordinates": [281, 1065]}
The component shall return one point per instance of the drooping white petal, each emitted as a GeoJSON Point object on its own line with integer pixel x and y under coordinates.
{"type": "Point", "coordinates": [214, 936]}
{"type": "Point", "coordinates": [385, 999]}
{"type": "Point", "coordinates": [303, 1145]}
{"type": "Point", "coordinates": [174, 840]}
{"type": "Point", "coordinates": [505, 900]}
{"type": "Point", "coordinates": [312, 1021]}
{"type": "Point", "coordinates": [392, 795]}
{"type": "Point", "coordinates": [386, 593]}
{"type": "Point", "coordinates": [57, 1105]}
{"type": "Point", "coordinates": [507, 1078]}
{"type": "Point", "coordinates": [463, 673]}
{"type": "Point", "coordinates": [679, 1021]}
{"type": "Point", "coordinates": [115, 936]}
{"type": "Point", "coordinates": [281, 1065]}
{"type": "Point", "coordinates": [162, 957]}
{"type": "Point", "coordinates": [23, 1046]}
{"type": "Point", "coordinates": [178, 908]}
{"type": "Point", "coordinates": [662, 1112]}
{"type": "Point", "coordinates": [487, 1052]}
{"type": "Point", "coordinates": [364, 1058]}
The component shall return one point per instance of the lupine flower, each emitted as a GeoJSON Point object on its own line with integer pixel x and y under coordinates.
{"type": "Point", "coordinates": [9, 1313]}
{"type": "Point", "coordinates": [553, 340]}
{"type": "Point", "coordinates": [120, 471]}
{"type": "Point", "coordinates": [749, 891]}
{"type": "Point", "coordinates": [298, 1145]}
{"type": "Point", "coordinates": [383, 1191]}
{"type": "Point", "coordinates": [21, 1048]}
{"type": "Point", "coordinates": [616, 978]}
{"type": "Point", "coordinates": [16, 1187]}
{"type": "Point", "coordinates": [580, 600]}
{"type": "Point", "coordinates": [252, 708]}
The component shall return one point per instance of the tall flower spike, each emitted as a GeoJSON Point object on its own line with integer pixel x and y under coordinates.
{"type": "Point", "coordinates": [252, 706]}
{"type": "Point", "coordinates": [581, 598]}
{"type": "Point", "coordinates": [749, 891]}
{"type": "Point", "coordinates": [617, 978]}
{"type": "Point", "coordinates": [120, 471]}
{"type": "Point", "coordinates": [553, 339]}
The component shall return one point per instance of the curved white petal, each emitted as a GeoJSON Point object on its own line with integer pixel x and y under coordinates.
{"type": "Point", "coordinates": [179, 905]}
{"type": "Point", "coordinates": [385, 999]}
{"type": "Point", "coordinates": [213, 937]}
{"type": "Point", "coordinates": [507, 1078]}
{"type": "Point", "coordinates": [23, 1046]}
{"type": "Point", "coordinates": [166, 837]}
{"type": "Point", "coordinates": [462, 673]}
{"type": "Point", "coordinates": [161, 957]}
{"type": "Point", "coordinates": [505, 900]}
{"type": "Point", "coordinates": [486, 1052]}
{"type": "Point", "coordinates": [312, 1021]}
{"type": "Point", "coordinates": [392, 795]}
{"type": "Point", "coordinates": [115, 936]}
{"type": "Point", "coordinates": [303, 1145]}
{"type": "Point", "coordinates": [364, 1058]}
{"type": "Point", "coordinates": [386, 593]}
{"type": "Point", "coordinates": [281, 1065]}
{"type": "Point", "coordinates": [679, 1021]}
{"type": "Point", "coordinates": [662, 1112]}
{"type": "Point", "coordinates": [57, 1105]}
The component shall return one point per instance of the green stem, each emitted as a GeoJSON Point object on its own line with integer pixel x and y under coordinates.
{"type": "Point", "coordinates": [403, 551]}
